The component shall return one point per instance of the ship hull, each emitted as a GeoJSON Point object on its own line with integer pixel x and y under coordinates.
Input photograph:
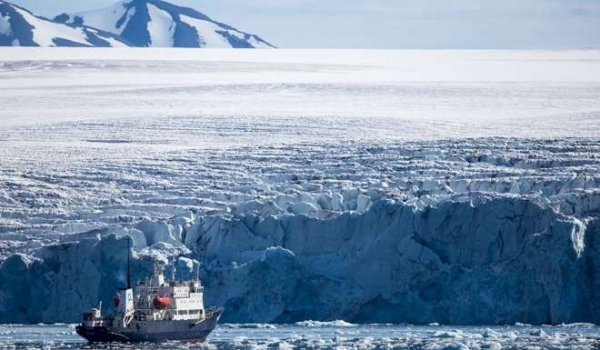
{"type": "Point", "coordinates": [153, 331]}
{"type": "Point", "coordinates": [104, 335]}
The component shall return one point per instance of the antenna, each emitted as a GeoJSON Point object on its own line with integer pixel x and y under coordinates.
{"type": "Point", "coordinates": [128, 263]}
{"type": "Point", "coordinates": [173, 270]}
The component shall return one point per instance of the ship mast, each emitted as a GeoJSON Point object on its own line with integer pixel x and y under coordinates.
{"type": "Point", "coordinates": [128, 264]}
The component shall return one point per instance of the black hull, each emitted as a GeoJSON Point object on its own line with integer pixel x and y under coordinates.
{"type": "Point", "coordinates": [104, 335]}
{"type": "Point", "coordinates": [100, 335]}
{"type": "Point", "coordinates": [197, 333]}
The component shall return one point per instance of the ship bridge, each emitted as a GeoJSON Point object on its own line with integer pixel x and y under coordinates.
{"type": "Point", "coordinates": [157, 299]}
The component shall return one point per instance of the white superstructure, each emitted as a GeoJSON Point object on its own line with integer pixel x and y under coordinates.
{"type": "Point", "coordinates": [157, 299]}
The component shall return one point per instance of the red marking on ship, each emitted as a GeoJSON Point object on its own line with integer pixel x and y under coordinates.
{"type": "Point", "coordinates": [161, 302]}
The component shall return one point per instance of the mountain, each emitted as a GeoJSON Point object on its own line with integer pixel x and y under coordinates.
{"type": "Point", "coordinates": [155, 23]}
{"type": "Point", "coordinates": [19, 27]}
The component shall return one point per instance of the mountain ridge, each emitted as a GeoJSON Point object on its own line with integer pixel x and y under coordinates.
{"type": "Point", "coordinates": [20, 27]}
{"type": "Point", "coordinates": [135, 23]}
{"type": "Point", "coordinates": [156, 23]}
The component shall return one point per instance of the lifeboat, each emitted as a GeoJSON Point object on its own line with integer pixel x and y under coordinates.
{"type": "Point", "coordinates": [161, 302]}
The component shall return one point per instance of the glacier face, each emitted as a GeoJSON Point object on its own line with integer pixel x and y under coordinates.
{"type": "Point", "coordinates": [357, 188]}
{"type": "Point", "coordinates": [456, 263]}
{"type": "Point", "coordinates": [481, 261]}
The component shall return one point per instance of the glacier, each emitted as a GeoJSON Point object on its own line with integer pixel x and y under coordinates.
{"type": "Point", "coordinates": [364, 186]}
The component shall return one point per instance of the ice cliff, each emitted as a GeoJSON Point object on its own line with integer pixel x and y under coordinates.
{"type": "Point", "coordinates": [481, 259]}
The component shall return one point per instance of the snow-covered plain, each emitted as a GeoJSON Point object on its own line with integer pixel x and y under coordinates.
{"type": "Point", "coordinates": [372, 186]}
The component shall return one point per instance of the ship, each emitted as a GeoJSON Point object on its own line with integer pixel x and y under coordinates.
{"type": "Point", "coordinates": [156, 310]}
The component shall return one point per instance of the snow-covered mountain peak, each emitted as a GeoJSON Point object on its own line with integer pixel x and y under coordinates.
{"type": "Point", "coordinates": [19, 27]}
{"type": "Point", "coordinates": [155, 23]}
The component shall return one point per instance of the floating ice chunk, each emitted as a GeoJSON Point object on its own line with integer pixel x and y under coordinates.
{"type": "Point", "coordinates": [494, 346]}
{"type": "Point", "coordinates": [456, 334]}
{"type": "Point", "coordinates": [451, 346]}
{"type": "Point", "coordinates": [489, 333]}
{"type": "Point", "coordinates": [578, 325]}
{"type": "Point", "coordinates": [248, 326]}
{"type": "Point", "coordinates": [538, 333]}
{"type": "Point", "coordinates": [336, 323]}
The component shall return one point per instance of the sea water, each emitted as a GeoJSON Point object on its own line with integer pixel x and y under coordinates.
{"type": "Point", "coordinates": [330, 335]}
